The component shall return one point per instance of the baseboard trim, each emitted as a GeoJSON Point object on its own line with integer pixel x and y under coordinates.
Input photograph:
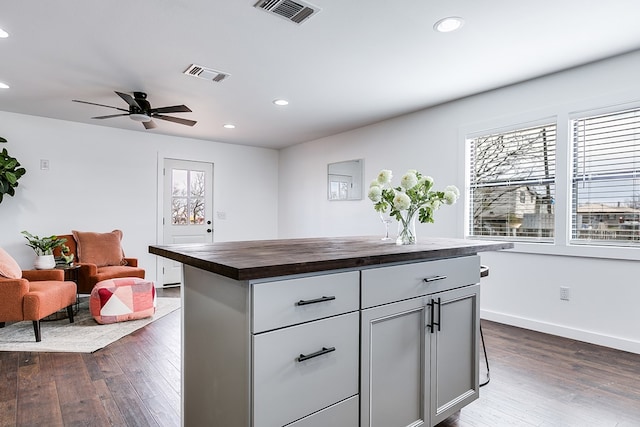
{"type": "Point", "coordinates": [563, 331]}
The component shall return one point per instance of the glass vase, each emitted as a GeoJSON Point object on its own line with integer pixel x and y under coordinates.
{"type": "Point", "coordinates": [407, 228]}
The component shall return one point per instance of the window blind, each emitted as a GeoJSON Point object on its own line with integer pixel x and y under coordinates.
{"type": "Point", "coordinates": [512, 184]}
{"type": "Point", "coordinates": [605, 190]}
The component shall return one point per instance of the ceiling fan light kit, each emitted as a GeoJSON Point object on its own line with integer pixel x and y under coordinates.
{"type": "Point", "coordinates": [140, 110]}
{"type": "Point", "coordinates": [139, 117]}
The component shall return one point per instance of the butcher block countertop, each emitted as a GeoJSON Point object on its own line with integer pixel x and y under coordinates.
{"type": "Point", "coordinates": [260, 259]}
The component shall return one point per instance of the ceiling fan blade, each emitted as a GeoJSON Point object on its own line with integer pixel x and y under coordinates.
{"type": "Point", "coordinates": [149, 125]}
{"type": "Point", "coordinates": [128, 99]}
{"type": "Point", "coordinates": [109, 116]}
{"type": "Point", "coordinates": [175, 120]}
{"type": "Point", "coordinates": [99, 105]}
{"type": "Point", "coordinates": [172, 109]}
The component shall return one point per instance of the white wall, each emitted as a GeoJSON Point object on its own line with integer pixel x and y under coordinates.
{"type": "Point", "coordinates": [523, 287]}
{"type": "Point", "coordinates": [101, 179]}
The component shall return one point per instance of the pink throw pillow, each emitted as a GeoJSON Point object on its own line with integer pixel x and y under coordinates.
{"type": "Point", "coordinates": [101, 249]}
{"type": "Point", "coordinates": [9, 268]}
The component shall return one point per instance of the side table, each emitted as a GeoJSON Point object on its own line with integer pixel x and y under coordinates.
{"type": "Point", "coordinates": [70, 274]}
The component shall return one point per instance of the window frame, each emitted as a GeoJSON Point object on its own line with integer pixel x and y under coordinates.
{"type": "Point", "coordinates": [562, 114]}
{"type": "Point", "coordinates": [522, 125]}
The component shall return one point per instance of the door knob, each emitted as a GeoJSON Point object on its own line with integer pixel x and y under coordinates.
{"type": "Point", "coordinates": [209, 230]}
{"type": "Point", "coordinates": [209, 222]}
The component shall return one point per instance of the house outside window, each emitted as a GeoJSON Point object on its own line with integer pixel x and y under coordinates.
{"type": "Point", "coordinates": [605, 181]}
{"type": "Point", "coordinates": [512, 184]}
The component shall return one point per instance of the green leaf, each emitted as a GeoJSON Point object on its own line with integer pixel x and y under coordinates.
{"type": "Point", "coordinates": [11, 177]}
{"type": "Point", "coordinates": [2, 139]}
{"type": "Point", "coordinates": [11, 164]}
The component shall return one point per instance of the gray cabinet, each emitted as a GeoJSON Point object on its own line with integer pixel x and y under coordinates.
{"type": "Point", "coordinates": [387, 346]}
{"type": "Point", "coordinates": [394, 365]}
{"type": "Point", "coordinates": [419, 355]}
{"type": "Point", "coordinates": [453, 350]}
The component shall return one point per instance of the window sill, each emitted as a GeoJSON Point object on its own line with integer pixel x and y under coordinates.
{"type": "Point", "coordinates": [583, 251]}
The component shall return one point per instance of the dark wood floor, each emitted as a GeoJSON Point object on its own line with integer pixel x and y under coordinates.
{"type": "Point", "coordinates": [536, 380]}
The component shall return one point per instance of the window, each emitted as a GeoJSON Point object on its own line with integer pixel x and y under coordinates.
{"type": "Point", "coordinates": [504, 168]}
{"type": "Point", "coordinates": [605, 183]}
{"type": "Point", "coordinates": [187, 197]}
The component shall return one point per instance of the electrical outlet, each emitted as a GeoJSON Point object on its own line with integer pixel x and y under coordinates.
{"type": "Point", "coordinates": [44, 164]}
{"type": "Point", "coordinates": [564, 293]}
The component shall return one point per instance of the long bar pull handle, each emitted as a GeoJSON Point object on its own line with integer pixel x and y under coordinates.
{"type": "Point", "coordinates": [324, 350]}
{"type": "Point", "coordinates": [315, 301]}
{"type": "Point", "coordinates": [430, 304]}
{"type": "Point", "coordinates": [434, 278]}
{"type": "Point", "coordinates": [439, 313]}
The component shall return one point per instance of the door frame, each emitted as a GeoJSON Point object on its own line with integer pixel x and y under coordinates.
{"type": "Point", "coordinates": [161, 157]}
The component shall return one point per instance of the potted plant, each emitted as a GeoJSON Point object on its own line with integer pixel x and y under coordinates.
{"type": "Point", "coordinates": [43, 247]}
{"type": "Point", "coordinates": [66, 257]}
{"type": "Point", "coordinates": [10, 172]}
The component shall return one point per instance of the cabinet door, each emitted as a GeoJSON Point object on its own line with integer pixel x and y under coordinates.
{"type": "Point", "coordinates": [393, 365]}
{"type": "Point", "coordinates": [454, 351]}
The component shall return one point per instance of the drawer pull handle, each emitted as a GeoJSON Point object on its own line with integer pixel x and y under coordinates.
{"type": "Point", "coordinates": [434, 278]}
{"type": "Point", "coordinates": [324, 350]}
{"type": "Point", "coordinates": [315, 301]}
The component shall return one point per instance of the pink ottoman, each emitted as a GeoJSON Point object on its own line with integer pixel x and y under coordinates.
{"type": "Point", "coordinates": [118, 300]}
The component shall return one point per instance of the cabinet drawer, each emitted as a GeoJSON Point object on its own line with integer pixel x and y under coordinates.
{"type": "Point", "coordinates": [343, 414]}
{"type": "Point", "coordinates": [293, 301]}
{"type": "Point", "coordinates": [287, 387]}
{"type": "Point", "coordinates": [388, 284]}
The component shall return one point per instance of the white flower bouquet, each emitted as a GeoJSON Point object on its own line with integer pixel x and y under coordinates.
{"type": "Point", "coordinates": [414, 198]}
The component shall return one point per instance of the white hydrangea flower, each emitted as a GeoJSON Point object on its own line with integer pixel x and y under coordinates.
{"type": "Point", "coordinates": [409, 180]}
{"type": "Point", "coordinates": [401, 201]}
{"type": "Point", "coordinates": [374, 183]}
{"type": "Point", "coordinates": [435, 205]}
{"type": "Point", "coordinates": [375, 193]}
{"type": "Point", "coordinates": [453, 189]}
{"type": "Point", "coordinates": [384, 177]}
{"type": "Point", "coordinates": [450, 197]}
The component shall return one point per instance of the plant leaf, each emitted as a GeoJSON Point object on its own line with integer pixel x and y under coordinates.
{"type": "Point", "coordinates": [11, 177]}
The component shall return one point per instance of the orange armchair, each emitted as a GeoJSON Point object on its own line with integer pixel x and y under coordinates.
{"type": "Point", "coordinates": [104, 247]}
{"type": "Point", "coordinates": [35, 296]}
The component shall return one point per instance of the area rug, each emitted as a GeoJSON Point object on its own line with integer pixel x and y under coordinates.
{"type": "Point", "coordinates": [85, 335]}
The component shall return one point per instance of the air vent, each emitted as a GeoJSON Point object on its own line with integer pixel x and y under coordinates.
{"type": "Point", "coordinates": [205, 73]}
{"type": "Point", "coordinates": [293, 11]}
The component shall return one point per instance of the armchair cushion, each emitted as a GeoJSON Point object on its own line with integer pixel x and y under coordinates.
{"type": "Point", "coordinates": [47, 297]}
{"type": "Point", "coordinates": [9, 268]}
{"type": "Point", "coordinates": [101, 249]}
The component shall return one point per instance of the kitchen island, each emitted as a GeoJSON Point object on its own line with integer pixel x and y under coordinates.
{"type": "Point", "coordinates": [328, 331]}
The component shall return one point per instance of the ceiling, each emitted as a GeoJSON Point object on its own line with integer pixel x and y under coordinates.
{"type": "Point", "coordinates": [353, 63]}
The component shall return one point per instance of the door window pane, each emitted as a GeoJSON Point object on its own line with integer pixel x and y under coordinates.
{"type": "Point", "coordinates": [188, 191]}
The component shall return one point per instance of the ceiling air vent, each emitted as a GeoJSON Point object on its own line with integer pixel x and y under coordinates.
{"type": "Point", "coordinates": [293, 11]}
{"type": "Point", "coordinates": [205, 73]}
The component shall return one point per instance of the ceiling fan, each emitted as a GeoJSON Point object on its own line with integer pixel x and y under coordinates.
{"type": "Point", "coordinates": [140, 110]}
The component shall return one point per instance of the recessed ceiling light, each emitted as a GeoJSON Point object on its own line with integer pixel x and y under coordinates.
{"type": "Point", "coordinates": [4, 86]}
{"type": "Point", "coordinates": [3, 34]}
{"type": "Point", "coordinates": [281, 102]}
{"type": "Point", "coordinates": [229, 126]}
{"type": "Point", "coordinates": [449, 24]}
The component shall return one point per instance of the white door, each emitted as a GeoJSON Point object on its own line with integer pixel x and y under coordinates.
{"type": "Point", "coordinates": [187, 212]}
